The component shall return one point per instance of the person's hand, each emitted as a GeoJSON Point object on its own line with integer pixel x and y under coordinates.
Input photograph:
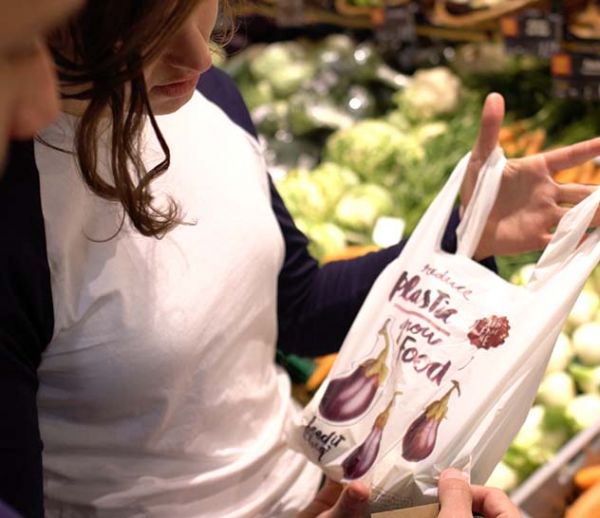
{"type": "Point", "coordinates": [458, 499]}
{"type": "Point", "coordinates": [337, 501]}
{"type": "Point", "coordinates": [529, 201]}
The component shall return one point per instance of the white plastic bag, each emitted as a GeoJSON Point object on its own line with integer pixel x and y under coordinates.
{"type": "Point", "coordinates": [444, 358]}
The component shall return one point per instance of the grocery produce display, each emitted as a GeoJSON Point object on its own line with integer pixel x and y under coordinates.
{"type": "Point", "coordinates": [350, 140]}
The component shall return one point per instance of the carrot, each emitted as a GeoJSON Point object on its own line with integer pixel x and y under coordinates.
{"type": "Point", "coordinates": [350, 252]}
{"type": "Point", "coordinates": [568, 175]}
{"type": "Point", "coordinates": [586, 172]}
{"type": "Point", "coordinates": [536, 142]}
{"type": "Point", "coordinates": [587, 505]}
{"type": "Point", "coordinates": [587, 477]}
{"type": "Point", "coordinates": [507, 134]}
{"type": "Point", "coordinates": [324, 364]}
{"type": "Point", "coordinates": [510, 148]}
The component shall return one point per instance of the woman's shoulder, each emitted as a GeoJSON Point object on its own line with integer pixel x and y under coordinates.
{"type": "Point", "coordinates": [216, 86]}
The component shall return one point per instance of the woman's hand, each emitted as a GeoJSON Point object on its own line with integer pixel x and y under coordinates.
{"type": "Point", "coordinates": [529, 201]}
{"type": "Point", "coordinates": [337, 501]}
{"type": "Point", "coordinates": [460, 500]}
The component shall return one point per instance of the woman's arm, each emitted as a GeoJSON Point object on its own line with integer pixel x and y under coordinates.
{"type": "Point", "coordinates": [26, 326]}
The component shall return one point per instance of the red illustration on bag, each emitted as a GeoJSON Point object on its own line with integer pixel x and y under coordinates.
{"type": "Point", "coordinates": [489, 332]}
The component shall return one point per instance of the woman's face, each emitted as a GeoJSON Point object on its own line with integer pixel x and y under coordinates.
{"type": "Point", "coordinates": [173, 76]}
{"type": "Point", "coordinates": [28, 92]}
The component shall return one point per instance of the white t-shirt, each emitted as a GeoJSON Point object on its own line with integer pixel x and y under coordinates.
{"type": "Point", "coordinates": [158, 393]}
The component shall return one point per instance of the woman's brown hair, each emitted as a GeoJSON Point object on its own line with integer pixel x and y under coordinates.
{"type": "Point", "coordinates": [109, 43]}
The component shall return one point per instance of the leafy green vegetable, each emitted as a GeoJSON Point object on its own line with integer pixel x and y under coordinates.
{"type": "Point", "coordinates": [326, 239]}
{"type": "Point", "coordinates": [360, 207]}
{"type": "Point", "coordinates": [303, 197]}
{"type": "Point", "coordinates": [374, 149]}
{"type": "Point", "coordinates": [334, 181]}
{"type": "Point", "coordinates": [276, 56]}
{"type": "Point", "coordinates": [308, 113]}
{"type": "Point", "coordinates": [287, 79]}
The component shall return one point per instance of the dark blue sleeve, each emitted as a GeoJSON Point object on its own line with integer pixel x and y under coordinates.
{"type": "Point", "coordinates": [26, 325]}
{"type": "Point", "coordinates": [316, 305]}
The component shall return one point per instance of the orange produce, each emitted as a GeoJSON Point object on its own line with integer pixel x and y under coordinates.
{"type": "Point", "coordinates": [350, 252]}
{"type": "Point", "coordinates": [586, 173]}
{"type": "Point", "coordinates": [324, 364]}
{"type": "Point", "coordinates": [587, 505]}
{"type": "Point", "coordinates": [587, 477]}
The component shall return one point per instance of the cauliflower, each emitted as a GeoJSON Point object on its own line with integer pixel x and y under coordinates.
{"type": "Point", "coordinates": [360, 207]}
{"type": "Point", "coordinates": [431, 93]}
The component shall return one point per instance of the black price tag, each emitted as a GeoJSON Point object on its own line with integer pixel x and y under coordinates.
{"type": "Point", "coordinates": [576, 76]}
{"type": "Point", "coordinates": [290, 13]}
{"type": "Point", "coordinates": [532, 32]}
{"type": "Point", "coordinates": [396, 26]}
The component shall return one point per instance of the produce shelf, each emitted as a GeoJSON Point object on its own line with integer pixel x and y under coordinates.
{"type": "Point", "coordinates": [548, 491]}
{"type": "Point", "coordinates": [442, 16]}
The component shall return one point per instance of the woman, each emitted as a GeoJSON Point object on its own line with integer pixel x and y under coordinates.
{"type": "Point", "coordinates": [146, 365]}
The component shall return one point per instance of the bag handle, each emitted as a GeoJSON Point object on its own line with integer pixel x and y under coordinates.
{"type": "Point", "coordinates": [484, 196]}
{"type": "Point", "coordinates": [566, 242]}
{"type": "Point", "coordinates": [473, 222]}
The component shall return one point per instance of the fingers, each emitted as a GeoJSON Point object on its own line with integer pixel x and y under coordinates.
{"type": "Point", "coordinates": [490, 124]}
{"type": "Point", "coordinates": [573, 193]}
{"type": "Point", "coordinates": [492, 117]}
{"type": "Point", "coordinates": [353, 503]}
{"type": "Point", "coordinates": [570, 156]}
{"type": "Point", "coordinates": [454, 494]}
{"type": "Point", "coordinates": [325, 499]}
{"type": "Point", "coordinates": [493, 502]}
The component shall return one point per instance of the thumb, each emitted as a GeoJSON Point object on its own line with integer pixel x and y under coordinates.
{"type": "Point", "coordinates": [353, 503]}
{"type": "Point", "coordinates": [454, 493]}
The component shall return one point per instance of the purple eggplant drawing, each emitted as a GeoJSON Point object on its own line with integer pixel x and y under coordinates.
{"type": "Point", "coordinates": [349, 397]}
{"type": "Point", "coordinates": [363, 457]}
{"type": "Point", "coordinates": [420, 438]}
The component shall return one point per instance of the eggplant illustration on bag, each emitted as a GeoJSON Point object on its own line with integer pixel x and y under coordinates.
{"type": "Point", "coordinates": [363, 457]}
{"type": "Point", "coordinates": [420, 438]}
{"type": "Point", "coordinates": [349, 397]}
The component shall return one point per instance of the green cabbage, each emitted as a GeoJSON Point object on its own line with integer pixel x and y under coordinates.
{"type": "Point", "coordinates": [325, 239]}
{"type": "Point", "coordinates": [360, 207]}
{"type": "Point", "coordinates": [375, 150]}
{"type": "Point", "coordinates": [334, 180]}
{"type": "Point", "coordinates": [303, 197]}
{"type": "Point", "coordinates": [275, 57]}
